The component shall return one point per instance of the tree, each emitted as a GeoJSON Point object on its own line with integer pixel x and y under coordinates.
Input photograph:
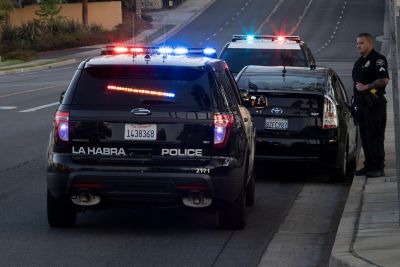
{"type": "Point", "coordinates": [6, 6]}
{"type": "Point", "coordinates": [48, 9]}
{"type": "Point", "coordinates": [85, 12]}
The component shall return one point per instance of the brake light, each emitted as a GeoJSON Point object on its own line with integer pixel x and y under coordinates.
{"type": "Point", "coordinates": [222, 125]}
{"type": "Point", "coordinates": [330, 119]}
{"type": "Point", "coordinates": [61, 126]}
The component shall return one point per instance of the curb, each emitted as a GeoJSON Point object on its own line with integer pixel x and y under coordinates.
{"type": "Point", "coordinates": [41, 67]}
{"type": "Point", "coordinates": [343, 253]}
{"type": "Point", "coordinates": [177, 28]}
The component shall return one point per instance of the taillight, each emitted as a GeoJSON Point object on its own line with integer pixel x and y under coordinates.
{"type": "Point", "coordinates": [61, 126]}
{"type": "Point", "coordinates": [330, 119]}
{"type": "Point", "coordinates": [222, 125]}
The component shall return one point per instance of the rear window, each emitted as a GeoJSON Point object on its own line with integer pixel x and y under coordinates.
{"type": "Point", "coordinates": [238, 58]}
{"type": "Point", "coordinates": [259, 83]}
{"type": "Point", "coordinates": [144, 86]}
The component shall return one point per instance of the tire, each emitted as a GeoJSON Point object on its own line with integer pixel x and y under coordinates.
{"type": "Point", "coordinates": [251, 191]}
{"type": "Point", "coordinates": [232, 216]}
{"type": "Point", "coordinates": [60, 212]}
{"type": "Point", "coordinates": [340, 174]}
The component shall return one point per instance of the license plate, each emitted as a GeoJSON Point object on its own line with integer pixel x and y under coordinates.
{"type": "Point", "coordinates": [276, 124]}
{"type": "Point", "coordinates": [140, 131]}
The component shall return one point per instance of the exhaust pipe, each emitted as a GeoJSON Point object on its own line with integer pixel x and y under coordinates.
{"type": "Point", "coordinates": [85, 198]}
{"type": "Point", "coordinates": [196, 199]}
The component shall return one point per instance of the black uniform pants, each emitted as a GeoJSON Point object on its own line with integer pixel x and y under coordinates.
{"type": "Point", "coordinates": [372, 131]}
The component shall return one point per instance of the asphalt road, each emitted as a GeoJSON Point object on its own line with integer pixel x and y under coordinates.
{"type": "Point", "coordinates": [296, 212]}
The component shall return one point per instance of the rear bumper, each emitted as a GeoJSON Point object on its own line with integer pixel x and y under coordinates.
{"type": "Point", "coordinates": [143, 186]}
{"type": "Point", "coordinates": [321, 151]}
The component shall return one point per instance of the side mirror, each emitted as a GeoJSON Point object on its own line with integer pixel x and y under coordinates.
{"type": "Point", "coordinates": [62, 97]}
{"type": "Point", "coordinates": [244, 94]}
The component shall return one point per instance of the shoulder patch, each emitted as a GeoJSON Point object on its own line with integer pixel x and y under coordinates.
{"type": "Point", "coordinates": [380, 62]}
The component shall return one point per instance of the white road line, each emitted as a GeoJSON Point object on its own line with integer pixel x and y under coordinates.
{"type": "Point", "coordinates": [301, 18]}
{"type": "Point", "coordinates": [220, 29]}
{"type": "Point", "coordinates": [269, 16]}
{"type": "Point", "coordinates": [4, 85]}
{"type": "Point", "coordinates": [40, 107]}
{"type": "Point", "coordinates": [7, 107]}
{"type": "Point", "coordinates": [32, 90]}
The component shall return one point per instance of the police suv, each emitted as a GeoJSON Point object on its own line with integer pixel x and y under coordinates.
{"type": "Point", "coordinates": [266, 50]}
{"type": "Point", "coordinates": [141, 127]}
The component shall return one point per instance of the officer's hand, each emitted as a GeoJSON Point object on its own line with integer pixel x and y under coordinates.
{"type": "Point", "coordinates": [361, 87]}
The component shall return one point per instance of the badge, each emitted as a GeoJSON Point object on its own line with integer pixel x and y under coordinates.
{"type": "Point", "coordinates": [367, 64]}
{"type": "Point", "coordinates": [382, 69]}
{"type": "Point", "coordinates": [380, 62]}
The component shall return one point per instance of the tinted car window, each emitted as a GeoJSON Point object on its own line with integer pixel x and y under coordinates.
{"type": "Point", "coordinates": [279, 82]}
{"type": "Point", "coordinates": [237, 58]}
{"type": "Point", "coordinates": [170, 87]}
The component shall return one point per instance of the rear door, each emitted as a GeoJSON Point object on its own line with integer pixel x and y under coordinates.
{"type": "Point", "coordinates": [142, 115]}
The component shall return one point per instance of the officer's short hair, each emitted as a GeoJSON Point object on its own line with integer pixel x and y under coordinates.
{"type": "Point", "coordinates": [366, 35]}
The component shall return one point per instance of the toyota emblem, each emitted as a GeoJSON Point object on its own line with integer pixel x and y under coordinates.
{"type": "Point", "coordinates": [276, 111]}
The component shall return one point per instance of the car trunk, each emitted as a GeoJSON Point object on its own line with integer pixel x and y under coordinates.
{"type": "Point", "coordinates": [290, 124]}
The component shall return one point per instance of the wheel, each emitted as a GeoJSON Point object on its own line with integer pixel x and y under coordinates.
{"type": "Point", "coordinates": [60, 211]}
{"type": "Point", "coordinates": [232, 216]}
{"type": "Point", "coordinates": [340, 174]}
{"type": "Point", "coordinates": [251, 191]}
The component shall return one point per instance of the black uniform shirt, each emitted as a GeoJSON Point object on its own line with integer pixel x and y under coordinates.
{"type": "Point", "coordinates": [367, 70]}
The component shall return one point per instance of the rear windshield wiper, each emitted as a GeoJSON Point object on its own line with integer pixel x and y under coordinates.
{"type": "Point", "coordinates": [156, 101]}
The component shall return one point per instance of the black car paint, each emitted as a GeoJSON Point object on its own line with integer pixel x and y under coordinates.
{"type": "Point", "coordinates": [305, 140]}
{"type": "Point", "coordinates": [143, 177]}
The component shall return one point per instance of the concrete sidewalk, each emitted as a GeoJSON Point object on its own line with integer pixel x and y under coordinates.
{"type": "Point", "coordinates": [165, 24]}
{"type": "Point", "coordinates": [369, 232]}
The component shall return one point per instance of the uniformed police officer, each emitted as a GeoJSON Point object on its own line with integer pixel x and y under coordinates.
{"type": "Point", "coordinates": [370, 77]}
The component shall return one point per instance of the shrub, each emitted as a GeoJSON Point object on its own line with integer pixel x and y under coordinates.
{"type": "Point", "coordinates": [32, 30]}
{"type": "Point", "coordinates": [95, 28]}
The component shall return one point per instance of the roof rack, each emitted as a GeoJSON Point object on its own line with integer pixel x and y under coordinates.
{"type": "Point", "coordinates": [295, 38]}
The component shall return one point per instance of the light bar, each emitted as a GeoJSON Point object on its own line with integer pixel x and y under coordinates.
{"type": "Point", "coordinates": [162, 50]}
{"type": "Point", "coordinates": [165, 50]}
{"type": "Point", "coordinates": [209, 51]}
{"type": "Point", "coordinates": [181, 51]}
{"type": "Point", "coordinates": [139, 91]}
{"type": "Point", "coordinates": [279, 38]}
{"type": "Point", "coordinates": [250, 38]}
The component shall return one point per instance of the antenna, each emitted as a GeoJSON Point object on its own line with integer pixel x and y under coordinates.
{"type": "Point", "coordinates": [165, 37]}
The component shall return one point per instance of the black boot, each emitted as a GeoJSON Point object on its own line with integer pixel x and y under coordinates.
{"type": "Point", "coordinates": [361, 172]}
{"type": "Point", "coordinates": [375, 173]}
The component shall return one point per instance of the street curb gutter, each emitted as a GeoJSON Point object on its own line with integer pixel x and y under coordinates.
{"type": "Point", "coordinates": [177, 28]}
{"type": "Point", "coordinates": [41, 67]}
{"type": "Point", "coordinates": [343, 254]}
